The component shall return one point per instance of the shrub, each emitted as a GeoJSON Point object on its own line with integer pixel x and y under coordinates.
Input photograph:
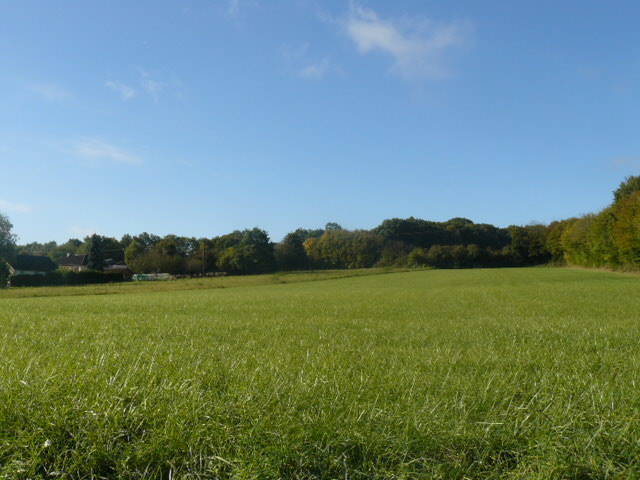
{"type": "Point", "coordinates": [59, 278]}
{"type": "Point", "coordinates": [5, 271]}
{"type": "Point", "coordinates": [417, 258]}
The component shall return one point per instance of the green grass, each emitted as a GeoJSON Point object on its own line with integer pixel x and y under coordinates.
{"type": "Point", "coordinates": [510, 373]}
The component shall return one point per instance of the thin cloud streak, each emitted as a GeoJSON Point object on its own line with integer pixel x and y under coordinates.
{"type": "Point", "coordinates": [95, 150]}
{"type": "Point", "coordinates": [235, 7]}
{"type": "Point", "coordinates": [50, 92]}
{"type": "Point", "coordinates": [315, 71]}
{"type": "Point", "coordinates": [126, 92]}
{"type": "Point", "coordinates": [298, 61]}
{"type": "Point", "coordinates": [153, 87]}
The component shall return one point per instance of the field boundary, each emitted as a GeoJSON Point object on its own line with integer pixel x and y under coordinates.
{"type": "Point", "coordinates": [121, 288]}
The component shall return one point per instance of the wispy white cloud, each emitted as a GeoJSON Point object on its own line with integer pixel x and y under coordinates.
{"type": "Point", "coordinates": [95, 150]}
{"type": "Point", "coordinates": [147, 84]}
{"type": "Point", "coordinates": [235, 7]}
{"type": "Point", "coordinates": [13, 207]}
{"type": "Point", "coordinates": [50, 92]}
{"type": "Point", "coordinates": [300, 62]}
{"type": "Point", "coordinates": [126, 92]}
{"type": "Point", "coordinates": [150, 85]}
{"type": "Point", "coordinates": [315, 70]}
{"type": "Point", "coordinates": [416, 47]}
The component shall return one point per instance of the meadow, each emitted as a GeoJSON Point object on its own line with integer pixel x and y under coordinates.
{"type": "Point", "coordinates": [440, 374]}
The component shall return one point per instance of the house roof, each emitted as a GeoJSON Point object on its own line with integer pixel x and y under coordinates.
{"type": "Point", "coordinates": [34, 263]}
{"type": "Point", "coordinates": [74, 260]}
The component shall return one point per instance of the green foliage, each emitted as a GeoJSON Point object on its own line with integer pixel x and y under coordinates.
{"type": "Point", "coordinates": [459, 243]}
{"type": "Point", "coordinates": [34, 263]}
{"type": "Point", "coordinates": [553, 239]}
{"type": "Point", "coordinates": [202, 259]}
{"type": "Point", "coordinates": [575, 241]}
{"type": "Point", "coordinates": [36, 248]}
{"type": "Point", "coordinates": [125, 241]}
{"type": "Point", "coordinates": [290, 253]}
{"type": "Point", "coordinates": [413, 231]}
{"type": "Point", "coordinates": [601, 240]}
{"type": "Point", "coordinates": [626, 230]}
{"type": "Point", "coordinates": [456, 231]}
{"type": "Point", "coordinates": [332, 226]}
{"type": "Point", "coordinates": [245, 252]}
{"type": "Point", "coordinates": [610, 238]}
{"type": "Point", "coordinates": [528, 245]}
{"type": "Point", "coordinates": [133, 252]}
{"type": "Point", "coordinates": [65, 278]}
{"type": "Point", "coordinates": [155, 261]}
{"type": "Point", "coordinates": [339, 248]}
{"type": "Point", "coordinates": [251, 251]}
{"type": "Point", "coordinates": [96, 246]}
{"type": "Point", "coordinates": [629, 186]}
{"type": "Point", "coordinates": [7, 240]}
{"type": "Point", "coordinates": [417, 258]}
{"type": "Point", "coordinates": [440, 256]}
{"type": "Point", "coordinates": [147, 240]}
{"type": "Point", "coordinates": [394, 254]}
{"type": "Point", "coordinates": [60, 252]}
{"type": "Point", "coordinates": [171, 254]}
{"type": "Point", "coordinates": [5, 272]}
{"type": "Point", "coordinates": [231, 260]}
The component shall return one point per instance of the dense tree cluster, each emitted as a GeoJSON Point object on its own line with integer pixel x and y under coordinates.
{"type": "Point", "coordinates": [610, 238]}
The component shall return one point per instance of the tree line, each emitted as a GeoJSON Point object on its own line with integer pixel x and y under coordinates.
{"type": "Point", "coordinates": [456, 243]}
{"type": "Point", "coordinates": [610, 238]}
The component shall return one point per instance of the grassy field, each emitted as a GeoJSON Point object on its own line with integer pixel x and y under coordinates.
{"type": "Point", "coordinates": [506, 373]}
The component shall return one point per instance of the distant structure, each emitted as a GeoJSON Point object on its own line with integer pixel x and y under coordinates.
{"type": "Point", "coordinates": [116, 268]}
{"type": "Point", "coordinates": [74, 263]}
{"type": "Point", "coordinates": [80, 263]}
{"type": "Point", "coordinates": [33, 265]}
{"type": "Point", "coordinates": [151, 277]}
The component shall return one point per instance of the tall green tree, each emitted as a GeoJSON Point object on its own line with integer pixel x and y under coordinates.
{"type": "Point", "coordinates": [7, 240]}
{"type": "Point", "coordinates": [290, 253]}
{"type": "Point", "coordinates": [96, 252]}
{"type": "Point", "coordinates": [553, 239]}
{"type": "Point", "coordinates": [528, 244]}
{"type": "Point", "coordinates": [626, 229]}
{"type": "Point", "coordinates": [133, 252]}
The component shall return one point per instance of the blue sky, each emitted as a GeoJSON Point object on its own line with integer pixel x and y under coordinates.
{"type": "Point", "coordinates": [201, 117]}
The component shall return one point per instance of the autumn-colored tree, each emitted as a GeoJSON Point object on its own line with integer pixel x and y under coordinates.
{"type": "Point", "coordinates": [626, 229]}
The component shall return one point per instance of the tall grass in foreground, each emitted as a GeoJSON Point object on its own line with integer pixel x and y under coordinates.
{"type": "Point", "coordinates": [518, 373]}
